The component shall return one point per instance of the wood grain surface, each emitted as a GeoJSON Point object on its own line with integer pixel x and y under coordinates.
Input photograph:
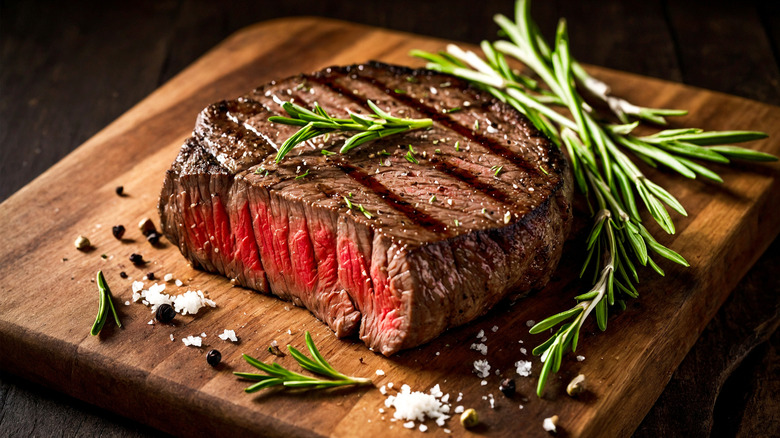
{"type": "Point", "coordinates": [138, 372]}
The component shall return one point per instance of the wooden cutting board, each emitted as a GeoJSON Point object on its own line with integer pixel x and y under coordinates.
{"type": "Point", "coordinates": [48, 299]}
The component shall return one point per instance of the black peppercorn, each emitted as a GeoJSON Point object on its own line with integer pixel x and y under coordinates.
{"type": "Point", "coordinates": [120, 190]}
{"type": "Point", "coordinates": [214, 357]}
{"type": "Point", "coordinates": [507, 386]}
{"type": "Point", "coordinates": [150, 276]}
{"type": "Point", "coordinates": [123, 274]}
{"type": "Point", "coordinates": [137, 259]}
{"type": "Point", "coordinates": [165, 313]}
{"type": "Point", "coordinates": [153, 238]}
{"type": "Point", "coordinates": [118, 231]}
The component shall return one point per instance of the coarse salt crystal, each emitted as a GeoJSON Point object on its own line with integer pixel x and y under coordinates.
{"type": "Point", "coordinates": [423, 428]}
{"type": "Point", "coordinates": [483, 383]}
{"type": "Point", "coordinates": [380, 373]}
{"type": "Point", "coordinates": [127, 303]}
{"type": "Point", "coordinates": [494, 329]}
{"type": "Point", "coordinates": [524, 351]}
{"type": "Point", "coordinates": [530, 323]}
{"type": "Point", "coordinates": [409, 425]}
{"type": "Point", "coordinates": [382, 390]}
{"type": "Point", "coordinates": [137, 286]}
{"type": "Point", "coordinates": [416, 406]}
{"type": "Point", "coordinates": [482, 368]}
{"type": "Point", "coordinates": [191, 302]}
{"type": "Point", "coordinates": [523, 368]}
{"type": "Point", "coordinates": [580, 358]}
{"type": "Point", "coordinates": [481, 334]}
{"type": "Point", "coordinates": [459, 409]}
{"type": "Point", "coordinates": [447, 431]}
{"type": "Point", "coordinates": [168, 278]}
{"type": "Point", "coordinates": [289, 332]}
{"type": "Point", "coordinates": [228, 334]}
{"type": "Point", "coordinates": [460, 397]}
{"type": "Point", "coordinates": [482, 348]}
{"type": "Point", "coordinates": [193, 341]}
{"type": "Point", "coordinates": [172, 338]}
{"type": "Point", "coordinates": [203, 335]}
{"type": "Point", "coordinates": [179, 283]}
{"type": "Point", "coordinates": [381, 410]}
{"type": "Point", "coordinates": [151, 322]}
{"type": "Point", "coordinates": [549, 425]}
{"type": "Point", "coordinates": [390, 385]}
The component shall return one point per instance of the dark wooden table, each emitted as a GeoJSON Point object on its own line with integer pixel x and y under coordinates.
{"type": "Point", "coordinates": [69, 69]}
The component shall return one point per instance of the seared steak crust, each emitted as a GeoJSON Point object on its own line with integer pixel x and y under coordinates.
{"type": "Point", "coordinates": [483, 214]}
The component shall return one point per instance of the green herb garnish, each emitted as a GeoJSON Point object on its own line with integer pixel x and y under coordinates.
{"type": "Point", "coordinates": [105, 303]}
{"type": "Point", "coordinates": [365, 212]}
{"type": "Point", "coordinates": [327, 152]}
{"type": "Point", "coordinates": [303, 175]}
{"type": "Point", "coordinates": [318, 122]}
{"type": "Point", "coordinates": [600, 156]}
{"type": "Point", "coordinates": [278, 375]}
{"type": "Point", "coordinates": [410, 156]}
{"type": "Point", "coordinates": [349, 203]}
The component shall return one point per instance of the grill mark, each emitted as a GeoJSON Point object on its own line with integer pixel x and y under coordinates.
{"type": "Point", "coordinates": [445, 167]}
{"type": "Point", "coordinates": [469, 178]}
{"type": "Point", "coordinates": [492, 146]}
{"type": "Point", "coordinates": [393, 200]}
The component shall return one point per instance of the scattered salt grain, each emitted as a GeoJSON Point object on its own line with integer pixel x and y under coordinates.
{"type": "Point", "coordinates": [580, 358]}
{"type": "Point", "coordinates": [168, 278]}
{"type": "Point", "coordinates": [423, 428]}
{"type": "Point", "coordinates": [459, 409]}
{"type": "Point", "coordinates": [380, 373]}
{"type": "Point", "coordinates": [492, 401]}
{"type": "Point", "coordinates": [549, 424]}
{"type": "Point", "coordinates": [447, 431]}
{"type": "Point", "coordinates": [382, 390]}
{"type": "Point", "coordinates": [416, 406]}
{"type": "Point", "coordinates": [390, 385]}
{"type": "Point", "coordinates": [445, 398]}
{"type": "Point", "coordinates": [482, 348]}
{"type": "Point", "coordinates": [523, 367]}
{"type": "Point", "coordinates": [228, 334]}
{"type": "Point", "coordinates": [409, 425]}
{"type": "Point", "coordinates": [482, 368]}
{"type": "Point", "coordinates": [127, 303]}
{"type": "Point", "coordinates": [483, 383]}
{"type": "Point", "coordinates": [203, 335]}
{"type": "Point", "coordinates": [191, 302]}
{"type": "Point", "coordinates": [530, 323]}
{"type": "Point", "coordinates": [172, 338]}
{"type": "Point", "coordinates": [179, 283]}
{"type": "Point", "coordinates": [289, 332]}
{"type": "Point", "coordinates": [460, 397]}
{"type": "Point", "coordinates": [193, 341]}
{"type": "Point", "coordinates": [521, 407]}
{"type": "Point", "coordinates": [151, 322]}
{"type": "Point", "coordinates": [524, 351]}
{"type": "Point", "coordinates": [381, 410]}
{"type": "Point", "coordinates": [494, 329]}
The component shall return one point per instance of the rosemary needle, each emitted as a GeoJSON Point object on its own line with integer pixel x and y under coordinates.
{"type": "Point", "coordinates": [317, 122]}
{"type": "Point", "coordinates": [600, 155]}
{"type": "Point", "coordinates": [105, 302]}
{"type": "Point", "coordinates": [276, 374]}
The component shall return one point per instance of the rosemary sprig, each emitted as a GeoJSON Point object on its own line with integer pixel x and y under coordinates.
{"type": "Point", "coordinates": [105, 302]}
{"type": "Point", "coordinates": [278, 375]}
{"type": "Point", "coordinates": [600, 156]}
{"type": "Point", "coordinates": [318, 122]}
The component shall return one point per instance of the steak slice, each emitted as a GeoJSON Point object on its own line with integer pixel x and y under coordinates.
{"type": "Point", "coordinates": [482, 215]}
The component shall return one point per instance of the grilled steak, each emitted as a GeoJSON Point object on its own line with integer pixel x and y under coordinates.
{"type": "Point", "coordinates": [425, 246]}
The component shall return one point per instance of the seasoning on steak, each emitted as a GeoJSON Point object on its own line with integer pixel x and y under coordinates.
{"type": "Point", "coordinates": [447, 237]}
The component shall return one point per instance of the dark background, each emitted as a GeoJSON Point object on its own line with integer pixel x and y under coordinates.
{"type": "Point", "coordinates": [67, 69]}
